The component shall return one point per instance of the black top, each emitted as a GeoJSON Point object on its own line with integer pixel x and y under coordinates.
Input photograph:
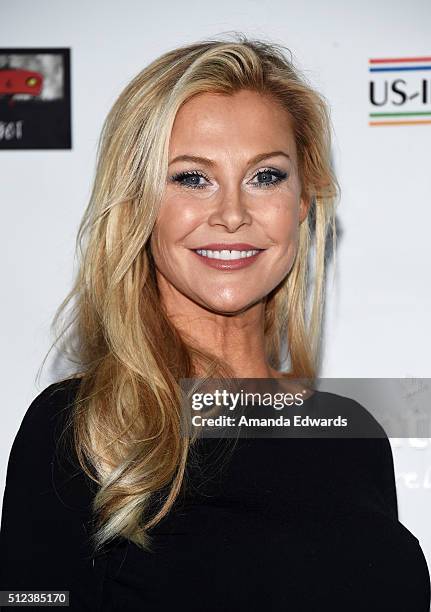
{"type": "Point", "coordinates": [267, 523]}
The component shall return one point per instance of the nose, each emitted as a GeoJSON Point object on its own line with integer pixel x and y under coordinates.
{"type": "Point", "coordinates": [231, 209]}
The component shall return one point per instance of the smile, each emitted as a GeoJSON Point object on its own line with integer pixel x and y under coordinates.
{"type": "Point", "coordinates": [226, 255]}
{"type": "Point", "coordinates": [227, 260]}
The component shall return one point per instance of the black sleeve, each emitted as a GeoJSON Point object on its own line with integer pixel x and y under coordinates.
{"type": "Point", "coordinates": [362, 466]}
{"type": "Point", "coordinates": [46, 517]}
{"type": "Point", "coordinates": [377, 464]}
{"type": "Point", "coordinates": [386, 478]}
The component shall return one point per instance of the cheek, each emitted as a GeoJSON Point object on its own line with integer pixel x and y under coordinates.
{"type": "Point", "coordinates": [282, 220]}
{"type": "Point", "coordinates": [175, 221]}
{"type": "Point", "coordinates": [161, 237]}
{"type": "Point", "coordinates": [179, 215]}
{"type": "Point", "coordinates": [288, 232]}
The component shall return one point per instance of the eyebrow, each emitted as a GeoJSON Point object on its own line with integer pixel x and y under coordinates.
{"type": "Point", "coordinates": [211, 163]}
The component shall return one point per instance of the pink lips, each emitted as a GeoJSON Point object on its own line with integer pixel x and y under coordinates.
{"type": "Point", "coordinates": [225, 246]}
{"type": "Point", "coordinates": [229, 264]}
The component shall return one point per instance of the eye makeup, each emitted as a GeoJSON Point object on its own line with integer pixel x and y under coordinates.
{"type": "Point", "coordinates": [279, 175]}
{"type": "Point", "coordinates": [194, 176]}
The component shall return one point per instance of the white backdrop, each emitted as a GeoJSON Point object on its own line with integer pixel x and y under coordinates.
{"type": "Point", "coordinates": [377, 321]}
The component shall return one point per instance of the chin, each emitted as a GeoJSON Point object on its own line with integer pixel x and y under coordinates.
{"type": "Point", "coordinates": [228, 308]}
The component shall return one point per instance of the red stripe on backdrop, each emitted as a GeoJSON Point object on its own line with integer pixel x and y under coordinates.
{"type": "Point", "coordinates": [392, 60]}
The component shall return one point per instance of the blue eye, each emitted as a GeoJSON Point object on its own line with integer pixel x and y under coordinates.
{"type": "Point", "coordinates": [266, 175]}
{"type": "Point", "coordinates": [193, 178]}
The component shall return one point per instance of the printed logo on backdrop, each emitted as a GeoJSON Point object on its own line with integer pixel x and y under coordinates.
{"type": "Point", "coordinates": [399, 91]}
{"type": "Point", "coordinates": [35, 99]}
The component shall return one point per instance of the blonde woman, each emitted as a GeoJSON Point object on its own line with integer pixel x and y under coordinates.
{"type": "Point", "coordinates": [213, 184]}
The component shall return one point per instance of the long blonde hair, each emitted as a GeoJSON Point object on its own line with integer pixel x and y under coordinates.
{"type": "Point", "coordinates": [129, 355]}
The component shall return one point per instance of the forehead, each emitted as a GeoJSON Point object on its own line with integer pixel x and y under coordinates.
{"type": "Point", "coordinates": [245, 120]}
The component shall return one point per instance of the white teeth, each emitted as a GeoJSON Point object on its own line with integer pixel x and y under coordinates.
{"type": "Point", "coordinates": [228, 255]}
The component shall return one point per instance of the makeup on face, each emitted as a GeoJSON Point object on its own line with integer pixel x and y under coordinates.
{"type": "Point", "coordinates": [227, 229]}
{"type": "Point", "coordinates": [236, 258]}
{"type": "Point", "coordinates": [204, 182]}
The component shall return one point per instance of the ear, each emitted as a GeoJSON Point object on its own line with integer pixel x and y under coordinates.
{"type": "Point", "coordinates": [304, 207]}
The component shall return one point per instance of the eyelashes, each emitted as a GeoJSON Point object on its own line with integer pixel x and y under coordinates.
{"type": "Point", "coordinates": [194, 177]}
{"type": "Point", "coordinates": [180, 177]}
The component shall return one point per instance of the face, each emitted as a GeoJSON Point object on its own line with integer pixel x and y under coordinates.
{"type": "Point", "coordinates": [232, 185]}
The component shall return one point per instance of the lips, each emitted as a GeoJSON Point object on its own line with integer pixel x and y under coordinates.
{"type": "Point", "coordinates": [227, 264]}
{"type": "Point", "coordinates": [223, 246]}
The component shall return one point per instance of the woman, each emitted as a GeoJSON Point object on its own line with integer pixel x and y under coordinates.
{"type": "Point", "coordinates": [213, 176]}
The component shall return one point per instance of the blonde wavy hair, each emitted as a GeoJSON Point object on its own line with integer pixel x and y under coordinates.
{"type": "Point", "coordinates": [130, 356]}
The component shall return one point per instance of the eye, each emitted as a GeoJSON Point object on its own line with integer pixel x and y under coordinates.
{"type": "Point", "coordinates": [269, 177]}
{"type": "Point", "coordinates": [190, 179]}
